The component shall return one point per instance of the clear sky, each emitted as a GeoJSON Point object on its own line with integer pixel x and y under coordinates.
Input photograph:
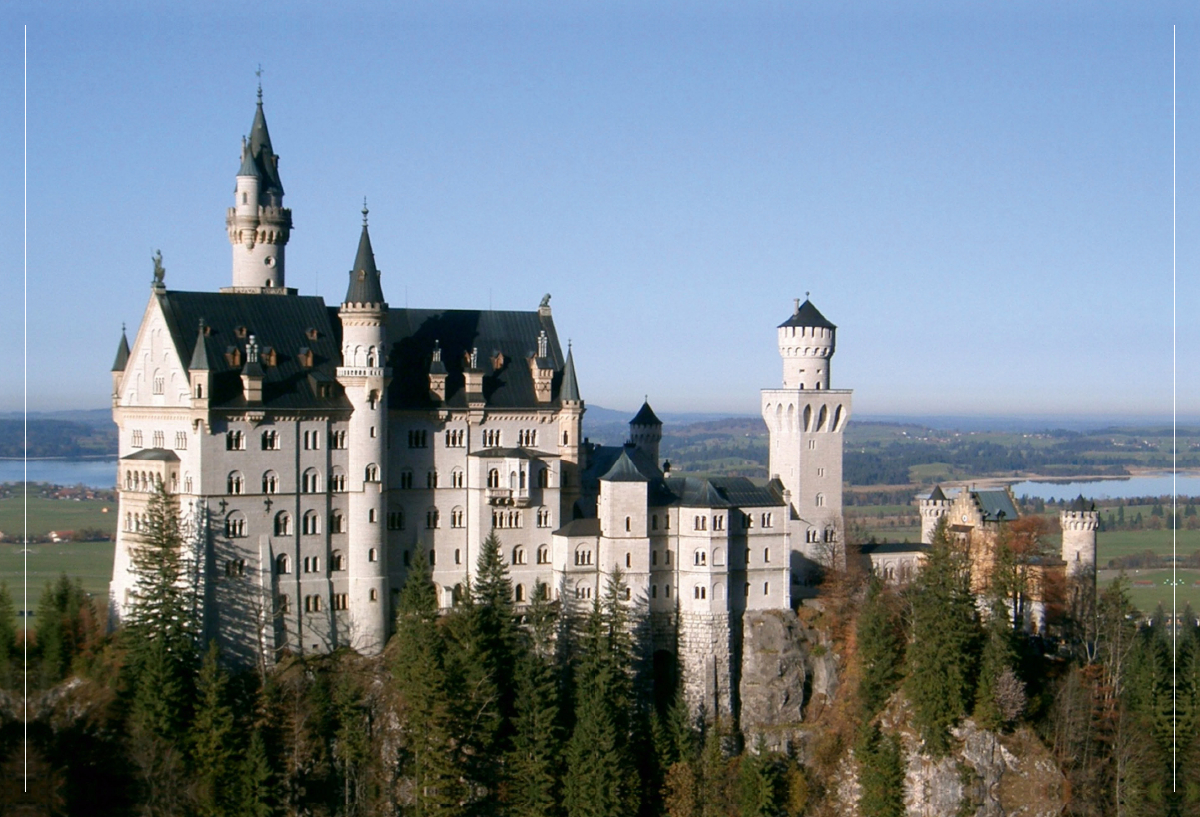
{"type": "Point", "coordinates": [979, 195]}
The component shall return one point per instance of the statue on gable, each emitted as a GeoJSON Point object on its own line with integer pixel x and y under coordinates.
{"type": "Point", "coordinates": [159, 270]}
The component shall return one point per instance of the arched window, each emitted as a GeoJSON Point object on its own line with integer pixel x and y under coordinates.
{"type": "Point", "coordinates": [519, 592]}
{"type": "Point", "coordinates": [337, 522]}
{"type": "Point", "coordinates": [270, 440]}
{"type": "Point", "coordinates": [700, 592]}
{"type": "Point", "coordinates": [543, 555]}
{"type": "Point", "coordinates": [432, 518]}
{"type": "Point", "coordinates": [820, 500]}
{"type": "Point", "coordinates": [337, 479]}
{"type": "Point", "coordinates": [235, 525]}
{"type": "Point", "coordinates": [282, 565]}
{"type": "Point", "coordinates": [518, 555]}
{"type": "Point", "coordinates": [543, 478]}
{"type": "Point", "coordinates": [431, 479]}
{"type": "Point", "coordinates": [512, 480]}
{"type": "Point", "coordinates": [234, 483]}
{"type": "Point", "coordinates": [456, 478]}
{"type": "Point", "coordinates": [627, 523]}
{"type": "Point", "coordinates": [311, 483]}
{"type": "Point", "coordinates": [373, 555]}
{"type": "Point", "coordinates": [372, 474]}
{"type": "Point", "coordinates": [283, 524]}
{"type": "Point", "coordinates": [699, 558]}
{"type": "Point", "coordinates": [270, 482]}
{"type": "Point", "coordinates": [583, 555]}
{"type": "Point", "coordinates": [312, 522]}
{"type": "Point", "coordinates": [522, 480]}
{"type": "Point", "coordinates": [337, 561]}
{"type": "Point", "coordinates": [493, 478]}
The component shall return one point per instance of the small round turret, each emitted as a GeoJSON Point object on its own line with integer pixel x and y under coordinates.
{"type": "Point", "coordinates": [806, 344]}
{"type": "Point", "coordinates": [1079, 523]}
{"type": "Point", "coordinates": [933, 508]}
{"type": "Point", "coordinates": [645, 431]}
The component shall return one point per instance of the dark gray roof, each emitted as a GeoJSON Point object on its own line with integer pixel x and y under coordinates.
{"type": "Point", "coordinates": [936, 493]}
{"type": "Point", "coordinates": [645, 416]}
{"type": "Point", "coordinates": [266, 162]}
{"type": "Point", "coordinates": [199, 353]}
{"type": "Point", "coordinates": [514, 454]}
{"type": "Point", "coordinates": [364, 278]}
{"type": "Point", "coordinates": [413, 332]}
{"type": "Point", "coordinates": [249, 166]}
{"type": "Point", "coordinates": [720, 492]}
{"type": "Point", "coordinates": [279, 321]}
{"type": "Point", "coordinates": [808, 315]}
{"type": "Point", "coordinates": [153, 454]}
{"type": "Point", "coordinates": [1081, 504]}
{"type": "Point", "coordinates": [570, 384]}
{"type": "Point", "coordinates": [880, 548]}
{"type": "Point", "coordinates": [623, 470]}
{"type": "Point", "coordinates": [122, 353]}
{"type": "Point", "coordinates": [996, 503]}
{"type": "Point", "coordinates": [580, 527]}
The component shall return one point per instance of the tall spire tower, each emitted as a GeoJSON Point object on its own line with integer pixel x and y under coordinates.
{"type": "Point", "coordinates": [259, 225]}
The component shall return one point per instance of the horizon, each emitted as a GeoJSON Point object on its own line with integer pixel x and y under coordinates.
{"type": "Point", "coordinates": [979, 198]}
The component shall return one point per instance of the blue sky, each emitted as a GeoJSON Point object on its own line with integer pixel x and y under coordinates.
{"type": "Point", "coordinates": [978, 195]}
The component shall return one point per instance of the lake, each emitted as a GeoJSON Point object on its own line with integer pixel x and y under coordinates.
{"type": "Point", "coordinates": [92, 473]}
{"type": "Point", "coordinates": [1125, 488]}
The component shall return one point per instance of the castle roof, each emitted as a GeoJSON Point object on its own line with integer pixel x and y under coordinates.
{"type": "Point", "coordinates": [265, 160]}
{"type": "Point", "coordinates": [1081, 504]}
{"type": "Point", "coordinates": [808, 315]}
{"type": "Point", "coordinates": [283, 322]}
{"type": "Point", "coordinates": [580, 527]}
{"type": "Point", "coordinates": [513, 454]}
{"type": "Point", "coordinates": [645, 416]}
{"type": "Point", "coordinates": [891, 548]}
{"type": "Point", "coordinates": [570, 384]}
{"type": "Point", "coordinates": [720, 492]}
{"type": "Point", "coordinates": [996, 505]}
{"type": "Point", "coordinates": [364, 277]}
{"type": "Point", "coordinates": [153, 455]}
{"type": "Point", "coordinates": [936, 495]}
{"type": "Point", "coordinates": [200, 353]}
{"type": "Point", "coordinates": [623, 470]}
{"type": "Point", "coordinates": [122, 358]}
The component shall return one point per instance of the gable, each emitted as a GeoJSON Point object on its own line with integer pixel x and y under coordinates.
{"type": "Point", "coordinates": [155, 374]}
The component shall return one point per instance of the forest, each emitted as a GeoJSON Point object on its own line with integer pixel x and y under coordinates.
{"type": "Point", "coordinates": [493, 710]}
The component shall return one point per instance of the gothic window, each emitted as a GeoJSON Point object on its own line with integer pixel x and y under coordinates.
{"type": "Point", "coordinates": [235, 525]}
{"type": "Point", "coordinates": [337, 480]}
{"type": "Point", "coordinates": [432, 518]}
{"type": "Point", "coordinates": [235, 441]}
{"type": "Point", "coordinates": [312, 523]}
{"type": "Point", "coordinates": [456, 478]}
{"type": "Point", "coordinates": [283, 524]}
{"type": "Point", "coordinates": [583, 556]}
{"type": "Point", "coordinates": [234, 483]}
{"type": "Point", "coordinates": [406, 479]}
{"type": "Point", "coordinates": [700, 558]}
{"type": "Point", "coordinates": [493, 478]}
{"type": "Point", "coordinates": [543, 555]}
{"type": "Point", "coordinates": [519, 593]}
{"type": "Point", "coordinates": [270, 482]}
{"type": "Point", "coordinates": [311, 483]}
{"type": "Point", "coordinates": [700, 592]}
{"type": "Point", "coordinates": [431, 479]}
{"type": "Point", "coordinates": [180, 440]}
{"type": "Point", "coordinates": [518, 555]}
{"type": "Point", "coordinates": [456, 518]}
{"type": "Point", "coordinates": [135, 439]}
{"type": "Point", "coordinates": [417, 438]}
{"type": "Point", "coordinates": [395, 520]}
{"type": "Point", "coordinates": [372, 473]}
{"type": "Point", "coordinates": [337, 522]}
{"type": "Point", "coordinates": [337, 440]}
{"type": "Point", "coordinates": [270, 440]}
{"type": "Point", "coordinates": [543, 518]}
{"type": "Point", "coordinates": [455, 438]}
{"type": "Point", "coordinates": [337, 561]}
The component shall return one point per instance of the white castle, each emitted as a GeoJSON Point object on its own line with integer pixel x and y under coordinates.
{"type": "Point", "coordinates": [316, 450]}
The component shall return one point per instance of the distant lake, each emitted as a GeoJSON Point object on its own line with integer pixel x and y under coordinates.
{"type": "Point", "coordinates": [92, 473]}
{"type": "Point", "coordinates": [1149, 485]}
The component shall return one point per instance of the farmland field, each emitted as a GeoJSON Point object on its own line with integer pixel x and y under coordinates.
{"type": "Point", "coordinates": [1148, 588]}
{"type": "Point", "coordinates": [91, 562]}
{"type": "Point", "coordinates": [47, 514]}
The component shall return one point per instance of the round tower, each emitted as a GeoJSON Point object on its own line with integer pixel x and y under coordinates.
{"type": "Point", "coordinates": [1079, 522]}
{"type": "Point", "coordinates": [932, 509]}
{"type": "Point", "coordinates": [645, 431]}
{"type": "Point", "coordinates": [258, 223]}
{"type": "Point", "coordinates": [364, 376]}
{"type": "Point", "coordinates": [806, 344]}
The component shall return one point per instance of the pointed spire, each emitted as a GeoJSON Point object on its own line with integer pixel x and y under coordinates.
{"type": "Point", "coordinates": [570, 384]}
{"type": "Point", "coordinates": [249, 166]}
{"type": "Point", "coordinates": [364, 278]}
{"type": "Point", "coordinates": [645, 416]}
{"type": "Point", "coordinates": [200, 353]}
{"type": "Point", "coordinates": [261, 151]}
{"type": "Point", "coordinates": [122, 353]}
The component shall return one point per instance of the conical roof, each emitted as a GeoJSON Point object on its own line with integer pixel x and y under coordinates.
{"type": "Point", "coordinates": [645, 417]}
{"type": "Point", "coordinates": [249, 166]}
{"type": "Point", "coordinates": [364, 278]}
{"type": "Point", "coordinates": [808, 315]}
{"type": "Point", "coordinates": [936, 494]}
{"type": "Point", "coordinates": [200, 353]}
{"type": "Point", "coordinates": [122, 353]}
{"type": "Point", "coordinates": [262, 153]}
{"type": "Point", "coordinates": [570, 385]}
{"type": "Point", "coordinates": [1081, 504]}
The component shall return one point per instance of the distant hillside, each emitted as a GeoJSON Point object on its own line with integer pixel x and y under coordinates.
{"type": "Point", "coordinates": [57, 438]}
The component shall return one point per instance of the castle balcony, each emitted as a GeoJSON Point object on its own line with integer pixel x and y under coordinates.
{"type": "Point", "coordinates": [363, 371]}
{"type": "Point", "coordinates": [513, 497]}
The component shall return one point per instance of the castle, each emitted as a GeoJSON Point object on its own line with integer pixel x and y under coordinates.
{"type": "Point", "coordinates": [316, 450]}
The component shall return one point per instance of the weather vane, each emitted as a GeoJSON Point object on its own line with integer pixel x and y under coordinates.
{"type": "Point", "coordinates": [365, 211]}
{"type": "Point", "coordinates": [259, 74]}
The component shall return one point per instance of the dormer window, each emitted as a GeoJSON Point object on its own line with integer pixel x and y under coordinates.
{"type": "Point", "coordinates": [233, 356]}
{"type": "Point", "coordinates": [267, 356]}
{"type": "Point", "coordinates": [305, 357]}
{"type": "Point", "coordinates": [311, 333]}
{"type": "Point", "coordinates": [241, 332]}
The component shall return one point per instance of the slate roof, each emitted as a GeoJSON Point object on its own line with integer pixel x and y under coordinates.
{"type": "Point", "coordinates": [623, 470]}
{"type": "Point", "coordinates": [645, 417]}
{"type": "Point", "coordinates": [153, 454]}
{"type": "Point", "coordinates": [122, 358]}
{"type": "Point", "coordinates": [808, 315]}
{"type": "Point", "coordinates": [265, 160]}
{"type": "Point", "coordinates": [278, 321]}
{"type": "Point", "coordinates": [994, 503]}
{"type": "Point", "coordinates": [413, 332]}
{"type": "Point", "coordinates": [513, 454]}
{"type": "Point", "coordinates": [936, 494]}
{"type": "Point", "coordinates": [570, 383]}
{"type": "Point", "coordinates": [580, 527]}
{"type": "Point", "coordinates": [882, 548]}
{"type": "Point", "coordinates": [199, 353]}
{"type": "Point", "coordinates": [364, 277]}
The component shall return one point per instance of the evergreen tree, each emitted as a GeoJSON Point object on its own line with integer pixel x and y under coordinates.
{"type": "Point", "coordinates": [762, 783]}
{"type": "Point", "coordinates": [996, 700]}
{"type": "Point", "coordinates": [429, 756]}
{"type": "Point", "coordinates": [10, 661]}
{"type": "Point", "coordinates": [257, 788]}
{"type": "Point", "coordinates": [213, 756]}
{"type": "Point", "coordinates": [881, 774]}
{"type": "Point", "coordinates": [351, 744]}
{"type": "Point", "coordinates": [533, 767]}
{"type": "Point", "coordinates": [943, 653]}
{"type": "Point", "coordinates": [879, 649]}
{"type": "Point", "coordinates": [65, 621]}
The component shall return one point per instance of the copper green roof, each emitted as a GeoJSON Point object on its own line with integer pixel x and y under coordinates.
{"type": "Point", "coordinates": [996, 505]}
{"type": "Point", "coordinates": [364, 277]}
{"type": "Point", "coordinates": [808, 315]}
{"type": "Point", "coordinates": [645, 417]}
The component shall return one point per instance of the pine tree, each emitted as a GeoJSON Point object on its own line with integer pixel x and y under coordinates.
{"type": "Point", "coordinates": [879, 649]}
{"type": "Point", "coordinates": [213, 757]}
{"type": "Point", "coordinates": [9, 656]}
{"type": "Point", "coordinates": [257, 789]}
{"type": "Point", "coordinates": [533, 767]}
{"type": "Point", "coordinates": [762, 783]}
{"type": "Point", "coordinates": [63, 620]}
{"type": "Point", "coordinates": [997, 703]}
{"type": "Point", "coordinates": [351, 743]}
{"type": "Point", "coordinates": [943, 653]}
{"type": "Point", "coordinates": [881, 774]}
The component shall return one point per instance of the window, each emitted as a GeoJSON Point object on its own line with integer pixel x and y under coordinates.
{"type": "Point", "coordinates": [270, 482]}
{"type": "Point", "coordinates": [543, 555]}
{"type": "Point", "coordinates": [518, 555]}
{"type": "Point", "coordinates": [654, 522]}
{"type": "Point", "coordinates": [406, 479]}
{"type": "Point", "coordinates": [187, 484]}
{"type": "Point", "coordinates": [458, 556]}
{"type": "Point", "coordinates": [527, 438]}
{"type": "Point", "coordinates": [270, 440]}
{"type": "Point", "coordinates": [135, 439]}
{"type": "Point", "coordinates": [506, 519]}
{"type": "Point", "coordinates": [234, 483]}
{"type": "Point", "coordinates": [543, 518]}
{"type": "Point", "coordinates": [766, 555]}
{"type": "Point", "coordinates": [395, 520]}
{"type": "Point", "coordinates": [312, 564]}
{"type": "Point", "coordinates": [283, 524]}
{"type": "Point", "coordinates": [493, 478]}
{"type": "Point", "coordinates": [373, 594]}
{"type": "Point", "coordinates": [543, 478]}
{"type": "Point", "coordinates": [337, 522]}
{"type": "Point", "coordinates": [718, 557]}
{"type": "Point", "coordinates": [283, 603]}
{"type": "Point", "coordinates": [158, 384]}
{"type": "Point", "coordinates": [235, 441]}
{"type": "Point", "coordinates": [416, 438]}
{"type": "Point", "coordinates": [312, 440]}
{"type": "Point", "coordinates": [700, 592]}
{"type": "Point", "coordinates": [820, 500]}
{"type": "Point", "coordinates": [747, 557]}
{"type": "Point", "coordinates": [372, 473]}
{"type": "Point", "coordinates": [337, 561]}
{"type": "Point", "coordinates": [235, 525]}
{"type": "Point", "coordinates": [700, 558]}
{"type": "Point", "coordinates": [718, 523]}
{"type": "Point", "coordinates": [311, 482]}
{"type": "Point", "coordinates": [432, 557]}
{"type": "Point", "coordinates": [456, 438]}
{"type": "Point", "coordinates": [312, 604]}
{"type": "Point", "coordinates": [373, 555]}
{"type": "Point", "coordinates": [432, 518]}
{"type": "Point", "coordinates": [180, 440]}
{"type": "Point", "coordinates": [311, 523]}
{"type": "Point", "coordinates": [746, 590]}
{"type": "Point", "coordinates": [431, 479]}
{"type": "Point", "coordinates": [407, 558]}
{"type": "Point", "coordinates": [820, 472]}
{"type": "Point", "coordinates": [337, 480]}
{"type": "Point", "coordinates": [766, 520]}
{"type": "Point", "coordinates": [519, 593]}
{"type": "Point", "coordinates": [628, 560]}
{"type": "Point", "coordinates": [583, 556]}
{"type": "Point", "coordinates": [766, 588]}
{"type": "Point", "coordinates": [583, 591]}
{"type": "Point", "coordinates": [667, 590]}
{"type": "Point", "coordinates": [373, 433]}
{"type": "Point", "coordinates": [235, 567]}
{"type": "Point", "coordinates": [491, 438]}
{"type": "Point", "coordinates": [371, 515]}
{"type": "Point", "coordinates": [654, 591]}
{"type": "Point", "coordinates": [341, 601]}
{"type": "Point", "coordinates": [158, 440]}
{"type": "Point", "coordinates": [668, 556]}
{"type": "Point", "coordinates": [456, 478]}
{"type": "Point", "coordinates": [337, 440]}
{"type": "Point", "coordinates": [628, 522]}
{"type": "Point", "coordinates": [701, 523]}
{"type": "Point", "coordinates": [456, 518]}
{"type": "Point", "coordinates": [654, 557]}
{"type": "Point", "coordinates": [812, 445]}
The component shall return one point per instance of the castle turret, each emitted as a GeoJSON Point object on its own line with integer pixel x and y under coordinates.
{"type": "Point", "coordinates": [807, 421]}
{"type": "Point", "coordinates": [119, 364]}
{"type": "Point", "coordinates": [258, 223]}
{"type": "Point", "coordinates": [645, 431]}
{"type": "Point", "coordinates": [365, 377]}
{"type": "Point", "coordinates": [932, 508]}
{"type": "Point", "coordinates": [570, 434]}
{"type": "Point", "coordinates": [1079, 522]}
